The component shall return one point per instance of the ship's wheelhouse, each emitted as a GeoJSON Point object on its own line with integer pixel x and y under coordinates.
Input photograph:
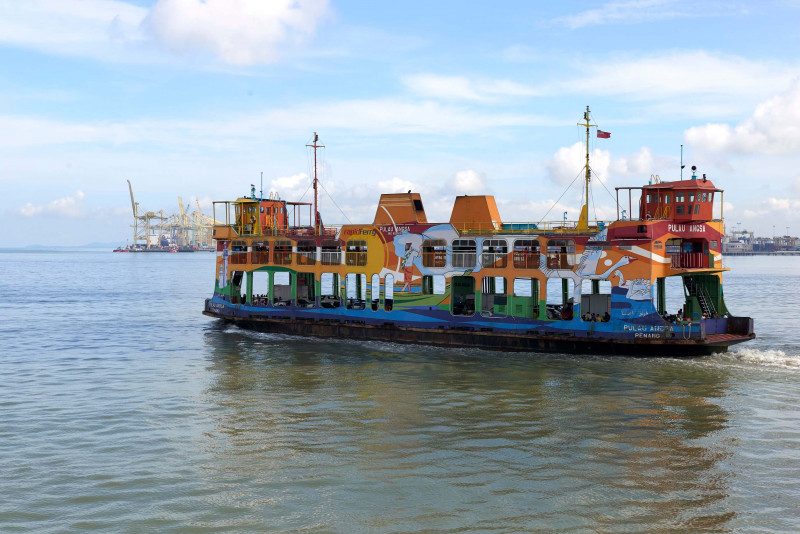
{"type": "Point", "coordinates": [683, 201]}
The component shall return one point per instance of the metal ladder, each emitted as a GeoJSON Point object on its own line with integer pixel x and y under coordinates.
{"type": "Point", "coordinates": [700, 294]}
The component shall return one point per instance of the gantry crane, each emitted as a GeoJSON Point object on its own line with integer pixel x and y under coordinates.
{"type": "Point", "coordinates": [143, 228]}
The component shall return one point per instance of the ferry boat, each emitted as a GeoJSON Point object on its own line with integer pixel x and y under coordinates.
{"type": "Point", "coordinates": [478, 281]}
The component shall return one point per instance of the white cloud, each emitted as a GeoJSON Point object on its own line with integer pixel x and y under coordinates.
{"type": "Point", "coordinates": [466, 182]}
{"type": "Point", "coordinates": [69, 206]}
{"type": "Point", "coordinates": [785, 209]}
{"type": "Point", "coordinates": [569, 162]}
{"type": "Point", "coordinates": [29, 210]}
{"type": "Point", "coordinates": [774, 128]}
{"type": "Point", "coordinates": [795, 187]}
{"type": "Point", "coordinates": [682, 73]}
{"type": "Point", "coordinates": [461, 88]}
{"type": "Point", "coordinates": [94, 28]}
{"type": "Point", "coordinates": [526, 210]}
{"type": "Point", "coordinates": [291, 187]}
{"type": "Point", "coordinates": [629, 12]}
{"type": "Point", "coordinates": [397, 185]}
{"type": "Point", "coordinates": [240, 32]}
{"type": "Point", "coordinates": [368, 116]}
{"type": "Point", "coordinates": [640, 163]}
{"type": "Point", "coordinates": [398, 116]}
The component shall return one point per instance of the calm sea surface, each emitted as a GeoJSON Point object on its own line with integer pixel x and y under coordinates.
{"type": "Point", "coordinates": [123, 409]}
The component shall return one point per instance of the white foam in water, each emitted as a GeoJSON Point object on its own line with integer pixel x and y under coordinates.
{"type": "Point", "coordinates": [775, 358]}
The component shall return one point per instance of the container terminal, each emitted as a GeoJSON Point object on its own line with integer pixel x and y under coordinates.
{"type": "Point", "coordinates": [153, 231]}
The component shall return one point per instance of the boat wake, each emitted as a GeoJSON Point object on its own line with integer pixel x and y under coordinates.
{"type": "Point", "coordinates": [772, 358]}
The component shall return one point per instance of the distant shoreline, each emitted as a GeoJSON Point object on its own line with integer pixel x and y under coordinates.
{"type": "Point", "coordinates": [773, 253]}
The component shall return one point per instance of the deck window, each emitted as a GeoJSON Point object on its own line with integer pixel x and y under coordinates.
{"type": "Point", "coordinates": [329, 290]}
{"type": "Point", "coordinates": [494, 253]}
{"type": "Point", "coordinates": [666, 198]}
{"type": "Point", "coordinates": [246, 218]}
{"type": "Point", "coordinates": [282, 289]}
{"type": "Point", "coordinates": [433, 284]}
{"type": "Point", "coordinates": [306, 253]}
{"type": "Point", "coordinates": [679, 197]}
{"type": "Point", "coordinates": [356, 288]}
{"type": "Point", "coordinates": [260, 288]}
{"type": "Point", "coordinates": [375, 292]}
{"type": "Point", "coordinates": [493, 296]}
{"type": "Point", "coordinates": [260, 253]}
{"type": "Point", "coordinates": [464, 253]}
{"type": "Point", "coordinates": [526, 254]}
{"type": "Point", "coordinates": [356, 253]}
{"type": "Point", "coordinates": [679, 209]}
{"type": "Point", "coordinates": [560, 253]}
{"type": "Point", "coordinates": [463, 295]}
{"type": "Point", "coordinates": [306, 290]}
{"type": "Point", "coordinates": [596, 300]}
{"type": "Point", "coordinates": [388, 292]}
{"type": "Point", "coordinates": [331, 253]}
{"type": "Point", "coordinates": [560, 298]}
{"type": "Point", "coordinates": [525, 301]}
{"type": "Point", "coordinates": [696, 209]}
{"type": "Point", "coordinates": [283, 252]}
{"type": "Point", "coordinates": [434, 253]}
{"type": "Point", "coordinates": [238, 253]}
{"type": "Point", "coordinates": [236, 287]}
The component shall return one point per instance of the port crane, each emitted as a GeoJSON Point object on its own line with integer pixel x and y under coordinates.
{"type": "Point", "coordinates": [146, 224]}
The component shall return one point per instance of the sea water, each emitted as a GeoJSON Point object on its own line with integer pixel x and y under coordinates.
{"type": "Point", "coordinates": [123, 409]}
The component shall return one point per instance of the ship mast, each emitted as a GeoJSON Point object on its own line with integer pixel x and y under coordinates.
{"type": "Point", "coordinates": [583, 220]}
{"type": "Point", "coordinates": [315, 146]}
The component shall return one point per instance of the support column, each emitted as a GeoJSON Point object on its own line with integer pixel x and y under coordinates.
{"type": "Point", "coordinates": [661, 295]}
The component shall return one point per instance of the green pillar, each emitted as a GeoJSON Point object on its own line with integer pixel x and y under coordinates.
{"type": "Point", "coordinates": [249, 287]}
{"type": "Point", "coordinates": [595, 287]}
{"type": "Point", "coordinates": [564, 291]}
{"type": "Point", "coordinates": [661, 295]}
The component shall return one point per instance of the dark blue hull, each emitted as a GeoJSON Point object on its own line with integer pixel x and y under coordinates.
{"type": "Point", "coordinates": [646, 336]}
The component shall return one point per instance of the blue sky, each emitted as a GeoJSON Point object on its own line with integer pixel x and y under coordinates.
{"type": "Point", "coordinates": [197, 99]}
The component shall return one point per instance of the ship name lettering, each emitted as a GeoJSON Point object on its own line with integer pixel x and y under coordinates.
{"type": "Point", "coordinates": [677, 228]}
{"type": "Point", "coordinates": [395, 229]}
{"type": "Point", "coordinates": [642, 328]}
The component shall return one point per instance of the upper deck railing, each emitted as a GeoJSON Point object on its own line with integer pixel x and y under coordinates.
{"type": "Point", "coordinates": [542, 227]}
{"type": "Point", "coordinates": [244, 226]}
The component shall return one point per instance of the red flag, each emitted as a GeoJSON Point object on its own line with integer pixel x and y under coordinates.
{"type": "Point", "coordinates": [603, 135]}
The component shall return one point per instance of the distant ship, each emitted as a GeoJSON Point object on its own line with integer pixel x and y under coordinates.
{"type": "Point", "coordinates": [476, 281]}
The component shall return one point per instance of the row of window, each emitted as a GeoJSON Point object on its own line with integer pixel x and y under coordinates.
{"type": "Point", "coordinates": [354, 294]}
{"type": "Point", "coordinates": [464, 252]}
{"type": "Point", "coordinates": [680, 207]}
{"type": "Point", "coordinates": [680, 197]}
